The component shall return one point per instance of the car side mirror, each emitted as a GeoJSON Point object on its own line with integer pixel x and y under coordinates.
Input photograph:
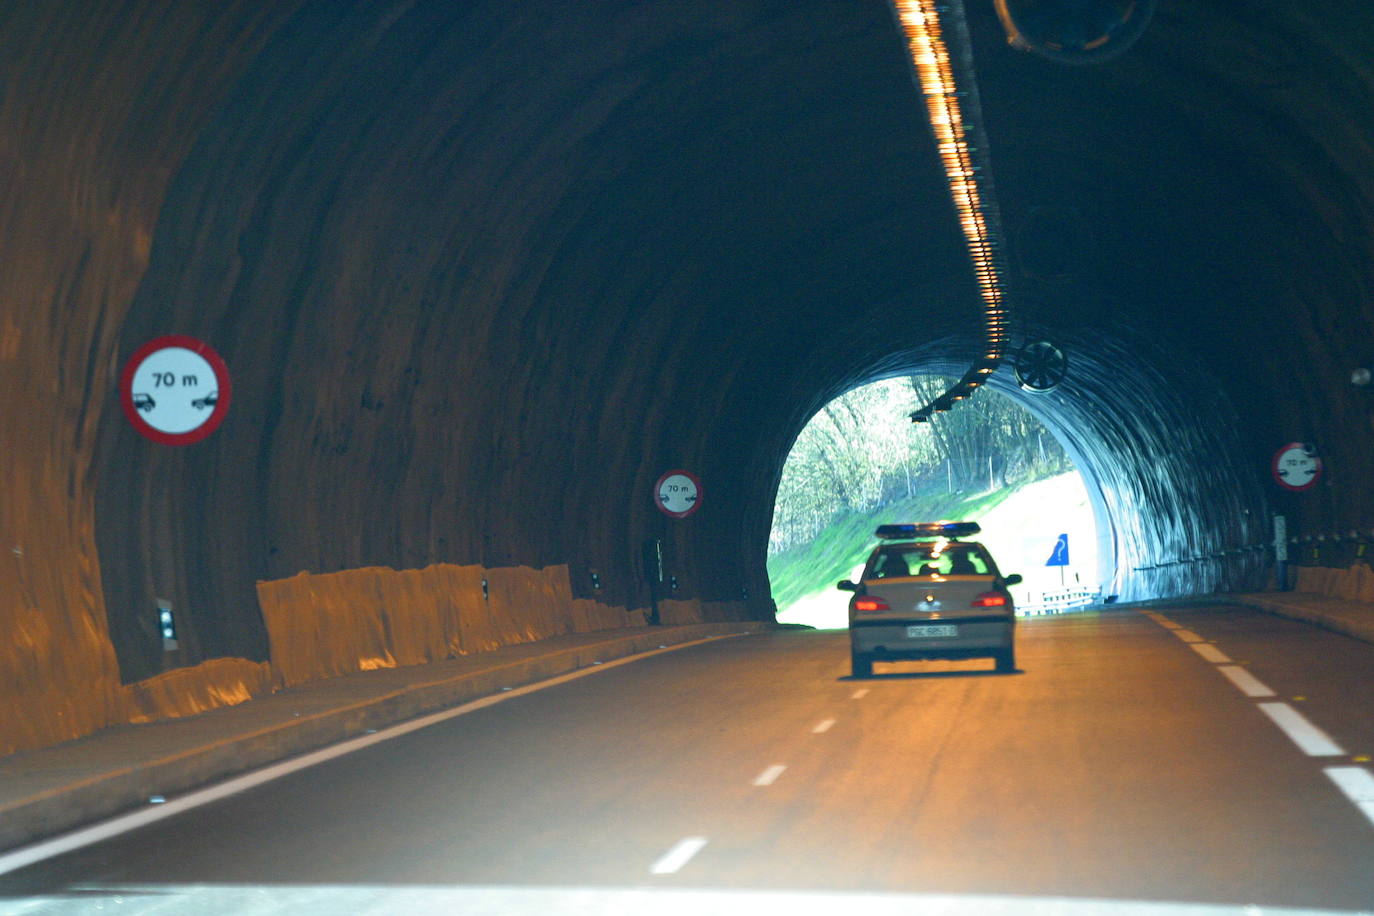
{"type": "Point", "coordinates": [846, 586]}
{"type": "Point", "coordinates": [1013, 579]}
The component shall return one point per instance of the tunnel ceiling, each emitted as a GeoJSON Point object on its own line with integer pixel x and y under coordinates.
{"type": "Point", "coordinates": [482, 271]}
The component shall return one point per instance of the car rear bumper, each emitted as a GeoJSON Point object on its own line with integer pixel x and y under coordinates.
{"type": "Point", "coordinates": [977, 637]}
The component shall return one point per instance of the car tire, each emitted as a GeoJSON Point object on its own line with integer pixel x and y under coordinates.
{"type": "Point", "coordinates": [860, 665]}
{"type": "Point", "coordinates": [1006, 661]}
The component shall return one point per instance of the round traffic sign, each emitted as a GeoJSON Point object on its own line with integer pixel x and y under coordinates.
{"type": "Point", "coordinates": [175, 390]}
{"type": "Point", "coordinates": [678, 493]}
{"type": "Point", "coordinates": [1297, 467]}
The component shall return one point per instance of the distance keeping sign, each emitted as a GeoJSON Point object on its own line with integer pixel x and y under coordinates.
{"type": "Point", "coordinates": [1297, 467]}
{"type": "Point", "coordinates": [175, 390]}
{"type": "Point", "coordinates": [678, 493]}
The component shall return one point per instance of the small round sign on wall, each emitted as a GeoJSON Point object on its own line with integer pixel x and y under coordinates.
{"type": "Point", "coordinates": [175, 390]}
{"type": "Point", "coordinates": [678, 493]}
{"type": "Point", "coordinates": [1297, 467]}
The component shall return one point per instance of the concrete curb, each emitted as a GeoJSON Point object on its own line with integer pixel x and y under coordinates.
{"type": "Point", "coordinates": [1348, 618]}
{"type": "Point", "coordinates": [52, 811]}
{"type": "Point", "coordinates": [1340, 615]}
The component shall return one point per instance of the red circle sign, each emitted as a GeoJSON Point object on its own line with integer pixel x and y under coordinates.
{"type": "Point", "coordinates": [175, 390]}
{"type": "Point", "coordinates": [1297, 467]}
{"type": "Point", "coordinates": [678, 493]}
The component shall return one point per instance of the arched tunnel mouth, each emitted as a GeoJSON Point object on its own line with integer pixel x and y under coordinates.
{"type": "Point", "coordinates": [1175, 509]}
{"type": "Point", "coordinates": [861, 463]}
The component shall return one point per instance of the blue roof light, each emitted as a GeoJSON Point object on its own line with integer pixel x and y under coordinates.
{"type": "Point", "coordinates": [928, 530]}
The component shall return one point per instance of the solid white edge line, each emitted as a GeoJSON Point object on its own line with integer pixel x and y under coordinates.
{"type": "Point", "coordinates": [822, 726]}
{"type": "Point", "coordinates": [1358, 785]}
{"type": "Point", "coordinates": [1248, 684]}
{"type": "Point", "coordinates": [682, 853]}
{"type": "Point", "coordinates": [859, 694]}
{"type": "Point", "coordinates": [1312, 740]}
{"type": "Point", "coordinates": [1210, 652]}
{"type": "Point", "coordinates": [25, 856]}
{"type": "Point", "coordinates": [770, 775]}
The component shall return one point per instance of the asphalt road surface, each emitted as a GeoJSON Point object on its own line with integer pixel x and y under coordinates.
{"type": "Point", "coordinates": [1207, 760]}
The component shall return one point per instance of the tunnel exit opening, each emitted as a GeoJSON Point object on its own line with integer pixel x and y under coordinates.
{"type": "Point", "coordinates": [859, 462]}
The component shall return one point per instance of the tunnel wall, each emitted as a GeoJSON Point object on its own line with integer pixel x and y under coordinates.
{"type": "Point", "coordinates": [481, 272]}
{"type": "Point", "coordinates": [99, 107]}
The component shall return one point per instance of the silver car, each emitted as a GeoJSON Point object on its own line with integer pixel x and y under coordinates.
{"type": "Point", "coordinates": [926, 594]}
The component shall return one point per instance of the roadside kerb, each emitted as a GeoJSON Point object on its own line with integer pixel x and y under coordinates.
{"type": "Point", "coordinates": [294, 722]}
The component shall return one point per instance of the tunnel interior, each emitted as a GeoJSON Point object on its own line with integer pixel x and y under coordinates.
{"type": "Point", "coordinates": [481, 273]}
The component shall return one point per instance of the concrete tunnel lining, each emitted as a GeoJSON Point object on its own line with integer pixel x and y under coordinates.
{"type": "Point", "coordinates": [461, 257]}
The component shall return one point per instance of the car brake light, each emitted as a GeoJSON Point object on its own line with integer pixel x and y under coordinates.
{"type": "Point", "coordinates": [871, 604]}
{"type": "Point", "coordinates": [990, 599]}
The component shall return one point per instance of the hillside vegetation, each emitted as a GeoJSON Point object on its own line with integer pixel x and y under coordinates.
{"type": "Point", "coordinates": [860, 462]}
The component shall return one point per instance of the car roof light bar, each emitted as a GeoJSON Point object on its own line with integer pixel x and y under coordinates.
{"type": "Point", "coordinates": [911, 531]}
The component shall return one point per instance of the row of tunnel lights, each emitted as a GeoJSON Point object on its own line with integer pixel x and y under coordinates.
{"type": "Point", "coordinates": [953, 114]}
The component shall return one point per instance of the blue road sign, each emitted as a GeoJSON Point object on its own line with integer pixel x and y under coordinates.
{"type": "Point", "coordinates": [1060, 556]}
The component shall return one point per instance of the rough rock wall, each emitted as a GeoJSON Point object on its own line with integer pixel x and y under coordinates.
{"type": "Point", "coordinates": [100, 103]}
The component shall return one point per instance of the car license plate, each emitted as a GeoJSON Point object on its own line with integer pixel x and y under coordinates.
{"type": "Point", "coordinates": [929, 630]}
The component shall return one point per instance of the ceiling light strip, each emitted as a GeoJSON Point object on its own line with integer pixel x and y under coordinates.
{"type": "Point", "coordinates": [956, 122]}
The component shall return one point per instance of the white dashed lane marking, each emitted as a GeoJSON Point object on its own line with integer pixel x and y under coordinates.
{"type": "Point", "coordinates": [1188, 636]}
{"type": "Point", "coordinates": [822, 726]}
{"type": "Point", "coordinates": [1210, 652]}
{"type": "Point", "coordinates": [678, 856]}
{"type": "Point", "coordinates": [1312, 740]}
{"type": "Point", "coordinates": [1358, 785]}
{"type": "Point", "coordinates": [770, 775]}
{"type": "Point", "coordinates": [859, 694]}
{"type": "Point", "coordinates": [1249, 685]}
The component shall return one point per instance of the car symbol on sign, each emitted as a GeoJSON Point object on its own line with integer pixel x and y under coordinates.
{"type": "Point", "coordinates": [144, 402]}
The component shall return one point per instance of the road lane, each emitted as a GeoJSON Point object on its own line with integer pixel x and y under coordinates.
{"type": "Point", "coordinates": [1119, 764]}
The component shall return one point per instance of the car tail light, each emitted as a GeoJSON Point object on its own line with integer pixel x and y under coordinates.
{"type": "Point", "coordinates": [871, 603]}
{"type": "Point", "coordinates": [990, 599]}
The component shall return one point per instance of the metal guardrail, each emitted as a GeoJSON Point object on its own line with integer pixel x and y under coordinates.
{"type": "Point", "coordinates": [1057, 601]}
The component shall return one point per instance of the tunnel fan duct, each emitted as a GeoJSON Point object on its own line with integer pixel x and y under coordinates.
{"type": "Point", "coordinates": [1075, 31]}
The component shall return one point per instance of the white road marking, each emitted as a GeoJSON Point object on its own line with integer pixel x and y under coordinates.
{"type": "Point", "coordinates": [1358, 785]}
{"type": "Point", "coordinates": [1312, 740]}
{"type": "Point", "coordinates": [1210, 652]}
{"type": "Point", "coordinates": [1249, 685]}
{"type": "Point", "coordinates": [859, 694]}
{"type": "Point", "coordinates": [678, 856]}
{"type": "Point", "coordinates": [115, 826]}
{"type": "Point", "coordinates": [1188, 636]}
{"type": "Point", "coordinates": [770, 775]}
{"type": "Point", "coordinates": [1161, 620]}
{"type": "Point", "coordinates": [822, 726]}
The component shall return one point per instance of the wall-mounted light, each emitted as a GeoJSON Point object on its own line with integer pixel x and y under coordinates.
{"type": "Point", "coordinates": [486, 590]}
{"type": "Point", "coordinates": [166, 625]}
{"type": "Point", "coordinates": [596, 581]}
{"type": "Point", "coordinates": [1361, 377]}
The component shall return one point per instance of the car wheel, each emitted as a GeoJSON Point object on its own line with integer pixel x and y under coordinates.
{"type": "Point", "coordinates": [861, 665]}
{"type": "Point", "coordinates": [1006, 660]}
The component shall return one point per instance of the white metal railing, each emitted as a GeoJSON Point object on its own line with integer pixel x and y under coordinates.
{"type": "Point", "coordinates": [1059, 600]}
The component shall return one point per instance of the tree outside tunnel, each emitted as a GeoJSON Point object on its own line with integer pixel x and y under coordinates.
{"type": "Point", "coordinates": [859, 462]}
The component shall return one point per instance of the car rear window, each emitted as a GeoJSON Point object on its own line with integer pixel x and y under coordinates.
{"type": "Point", "coordinates": [928, 559]}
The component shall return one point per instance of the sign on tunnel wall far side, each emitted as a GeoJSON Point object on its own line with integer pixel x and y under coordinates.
{"type": "Point", "coordinates": [175, 390]}
{"type": "Point", "coordinates": [678, 493]}
{"type": "Point", "coordinates": [1297, 467]}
